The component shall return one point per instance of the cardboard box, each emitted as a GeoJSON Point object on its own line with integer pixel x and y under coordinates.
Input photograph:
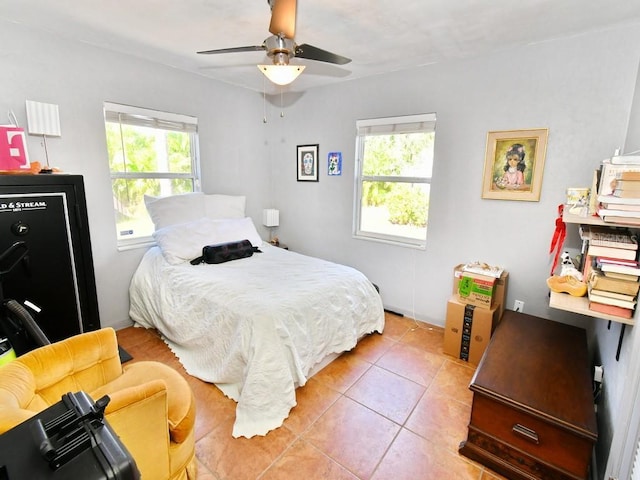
{"type": "Point", "coordinates": [468, 330]}
{"type": "Point", "coordinates": [499, 295]}
{"type": "Point", "coordinates": [477, 290]}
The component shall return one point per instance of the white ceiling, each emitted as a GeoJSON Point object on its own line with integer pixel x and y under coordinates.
{"type": "Point", "coordinates": [379, 36]}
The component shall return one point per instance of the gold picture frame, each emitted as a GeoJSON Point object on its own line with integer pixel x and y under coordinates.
{"type": "Point", "coordinates": [514, 163]}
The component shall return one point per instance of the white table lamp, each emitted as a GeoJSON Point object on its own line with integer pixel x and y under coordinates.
{"type": "Point", "coordinates": [270, 219]}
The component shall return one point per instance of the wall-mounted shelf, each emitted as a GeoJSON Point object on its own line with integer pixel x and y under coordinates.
{"type": "Point", "coordinates": [580, 305]}
{"type": "Point", "coordinates": [564, 301]}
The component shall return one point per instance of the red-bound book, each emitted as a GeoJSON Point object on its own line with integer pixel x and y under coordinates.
{"type": "Point", "coordinates": [618, 261]}
{"type": "Point", "coordinates": [611, 310]}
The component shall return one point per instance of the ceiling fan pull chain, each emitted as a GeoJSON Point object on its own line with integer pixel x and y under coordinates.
{"type": "Point", "coordinates": [281, 105]}
{"type": "Point", "coordinates": [264, 100]}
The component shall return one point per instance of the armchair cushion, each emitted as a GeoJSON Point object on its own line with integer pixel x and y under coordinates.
{"type": "Point", "coordinates": [180, 402]}
{"type": "Point", "coordinates": [82, 362]}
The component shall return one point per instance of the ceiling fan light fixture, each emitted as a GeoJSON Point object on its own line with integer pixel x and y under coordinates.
{"type": "Point", "coordinates": [281, 74]}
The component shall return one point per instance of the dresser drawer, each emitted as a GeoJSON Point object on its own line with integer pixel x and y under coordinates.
{"type": "Point", "coordinates": [544, 442]}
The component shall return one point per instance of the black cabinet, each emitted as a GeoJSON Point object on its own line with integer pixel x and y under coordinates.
{"type": "Point", "coordinates": [48, 213]}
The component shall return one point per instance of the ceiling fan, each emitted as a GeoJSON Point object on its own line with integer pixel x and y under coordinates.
{"type": "Point", "coordinates": [281, 47]}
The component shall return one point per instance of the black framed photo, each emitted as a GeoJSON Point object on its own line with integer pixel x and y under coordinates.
{"type": "Point", "coordinates": [307, 163]}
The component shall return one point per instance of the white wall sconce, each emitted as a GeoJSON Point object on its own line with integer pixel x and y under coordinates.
{"type": "Point", "coordinates": [43, 119]}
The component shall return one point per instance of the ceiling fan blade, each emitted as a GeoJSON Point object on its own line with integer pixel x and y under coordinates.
{"type": "Point", "coordinates": [315, 53]}
{"type": "Point", "coordinates": [255, 48]}
{"type": "Point", "coordinates": [283, 18]}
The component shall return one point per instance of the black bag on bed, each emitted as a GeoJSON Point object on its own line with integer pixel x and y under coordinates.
{"type": "Point", "coordinates": [224, 252]}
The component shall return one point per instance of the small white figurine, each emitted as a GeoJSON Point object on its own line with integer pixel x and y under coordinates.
{"type": "Point", "coordinates": [568, 268]}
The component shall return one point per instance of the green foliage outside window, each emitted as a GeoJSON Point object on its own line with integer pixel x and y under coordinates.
{"type": "Point", "coordinates": [136, 155]}
{"type": "Point", "coordinates": [403, 155]}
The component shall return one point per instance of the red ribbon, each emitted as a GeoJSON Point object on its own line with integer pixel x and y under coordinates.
{"type": "Point", "coordinates": [558, 238]}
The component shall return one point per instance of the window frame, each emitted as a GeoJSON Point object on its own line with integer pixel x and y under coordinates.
{"type": "Point", "coordinates": [425, 122]}
{"type": "Point", "coordinates": [157, 119]}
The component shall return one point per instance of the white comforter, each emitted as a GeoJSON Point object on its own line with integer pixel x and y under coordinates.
{"type": "Point", "coordinates": [257, 326]}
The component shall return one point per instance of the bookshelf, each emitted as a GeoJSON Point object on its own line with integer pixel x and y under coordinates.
{"type": "Point", "coordinates": [563, 301]}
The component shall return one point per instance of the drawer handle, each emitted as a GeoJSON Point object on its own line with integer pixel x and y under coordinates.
{"type": "Point", "coordinates": [527, 433]}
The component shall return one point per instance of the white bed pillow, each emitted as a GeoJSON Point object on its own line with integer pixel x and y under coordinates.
{"type": "Point", "coordinates": [183, 242]}
{"type": "Point", "coordinates": [188, 207]}
{"type": "Point", "coordinates": [175, 209]}
{"type": "Point", "coordinates": [235, 229]}
{"type": "Point", "coordinates": [224, 206]}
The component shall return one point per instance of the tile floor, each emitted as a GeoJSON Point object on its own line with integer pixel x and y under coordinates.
{"type": "Point", "coordinates": [394, 407]}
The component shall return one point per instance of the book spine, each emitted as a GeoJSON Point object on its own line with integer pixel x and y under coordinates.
{"type": "Point", "coordinates": [598, 281]}
{"type": "Point", "coordinates": [619, 296]}
{"type": "Point", "coordinates": [612, 212]}
{"type": "Point", "coordinates": [616, 261]}
{"type": "Point", "coordinates": [611, 310]}
{"type": "Point", "coordinates": [625, 160]}
{"type": "Point", "coordinates": [628, 185]}
{"type": "Point", "coordinates": [626, 193]}
{"type": "Point", "coordinates": [612, 267]}
{"type": "Point", "coordinates": [612, 199]}
{"type": "Point", "coordinates": [621, 220]}
{"type": "Point", "coordinates": [612, 301]}
{"type": "Point", "coordinates": [611, 252]}
{"type": "Point", "coordinates": [617, 239]}
{"type": "Point", "coordinates": [628, 176]}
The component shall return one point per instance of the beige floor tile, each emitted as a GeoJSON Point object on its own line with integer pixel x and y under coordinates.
{"type": "Point", "coordinates": [241, 458]}
{"type": "Point", "coordinates": [453, 379]}
{"type": "Point", "coordinates": [353, 435]}
{"type": "Point", "coordinates": [312, 401]}
{"type": "Point", "coordinates": [304, 461]}
{"type": "Point", "coordinates": [386, 393]}
{"type": "Point", "coordinates": [442, 417]}
{"type": "Point", "coordinates": [343, 372]}
{"type": "Point", "coordinates": [412, 457]}
{"type": "Point", "coordinates": [411, 362]}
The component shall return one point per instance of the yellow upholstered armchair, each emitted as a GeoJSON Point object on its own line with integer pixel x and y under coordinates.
{"type": "Point", "coordinates": [152, 408]}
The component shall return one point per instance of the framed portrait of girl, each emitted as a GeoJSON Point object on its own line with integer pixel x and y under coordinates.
{"type": "Point", "coordinates": [514, 163]}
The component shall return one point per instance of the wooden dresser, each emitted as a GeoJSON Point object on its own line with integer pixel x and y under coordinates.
{"type": "Point", "coordinates": [532, 415]}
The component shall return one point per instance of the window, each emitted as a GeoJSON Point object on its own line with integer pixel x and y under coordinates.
{"type": "Point", "coordinates": [150, 153]}
{"type": "Point", "coordinates": [393, 178]}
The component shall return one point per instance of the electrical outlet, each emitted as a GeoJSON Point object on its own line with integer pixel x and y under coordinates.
{"type": "Point", "coordinates": [598, 373]}
{"type": "Point", "coordinates": [518, 306]}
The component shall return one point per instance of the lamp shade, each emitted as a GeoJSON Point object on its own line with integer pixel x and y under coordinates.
{"type": "Point", "coordinates": [281, 74]}
{"type": "Point", "coordinates": [270, 217]}
{"type": "Point", "coordinates": [43, 119]}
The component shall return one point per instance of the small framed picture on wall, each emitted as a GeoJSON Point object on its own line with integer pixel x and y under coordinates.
{"type": "Point", "coordinates": [307, 163]}
{"type": "Point", "coordinates": [334, 164]}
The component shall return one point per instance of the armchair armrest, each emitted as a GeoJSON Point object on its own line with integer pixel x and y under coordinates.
{"type": "Point", "coordinates": [11, 416]}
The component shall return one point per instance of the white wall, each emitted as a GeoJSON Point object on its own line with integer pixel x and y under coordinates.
{"type": "Point", "coordinates": [79, 78]}
{"type": "Point", "coordinates": [567, 86]}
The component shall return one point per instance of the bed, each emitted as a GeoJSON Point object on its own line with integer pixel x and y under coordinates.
{"type": "Point", "coordinates": [256, 327]}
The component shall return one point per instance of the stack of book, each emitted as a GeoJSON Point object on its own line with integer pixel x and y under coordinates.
{"type": "Point", "coordinates": [618, 198]}
{"type": "Point", "coordinates": [611, 269]}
